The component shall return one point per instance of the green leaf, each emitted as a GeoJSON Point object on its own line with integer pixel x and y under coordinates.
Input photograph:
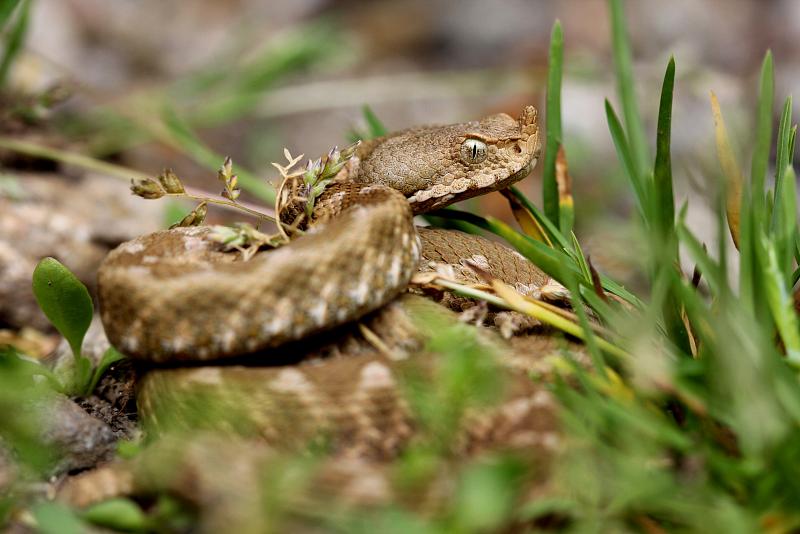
{"type": "Point", "coordinates": [624, 154]}
{"type": "Point", "coordinates": [710, 270]}
{"type": "Point", "coordinates": [486, 494]}
{"type": "Point", "coordinates": [782, 157]}
{"type": "Point", "coordinates": [117, 514]}
{"type": "Point", "coordinates": [781, 304]}
{"type": "Point", "coordinates": [64, 300]}
{"type": "Point", "coordinates": [110, 357]}
{"type": "Point", "coordinates": [83, 375]}
{"type": "Point", "coordinates": [785, 218]}
{"type": "Point", "coordinates": [623, 60]}
{"type": "Point", "coordinates": [234, 85]}
{"type": "Point", "coordinates": [7, 7]}
{"type": "Point", "coordinates": [783, 222]}
{"type": "Point", "coordinates": [12, 361]}
{"type": "Point", "coordinates": [571, 283]}
{"type": "Point", "coordinates": [662, 172]}
{"type": "Point", "coordinates": [747, 257]}
{"type": "Point", "coordinates": [577, 253]}
{"type": "Point", "coordinates": [375, 126]}
{"type": "Point", "coordinates": [56, 518]}
{"type": "Point", "coordinates": [553, 124]}
{"type": "Point", "coordinates": [763, 137]}
{"type": "Point", "coordinates": [553, 233]}
{"type": "Point", "coordinates": [546, 258]}
{"type": "Point", "coordinates": [14, 39]}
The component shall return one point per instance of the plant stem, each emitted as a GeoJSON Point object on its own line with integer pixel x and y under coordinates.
{"type": "Point", "coordinates": [118, 171]}
{"type": "Point", "coordinates": [220, 202]}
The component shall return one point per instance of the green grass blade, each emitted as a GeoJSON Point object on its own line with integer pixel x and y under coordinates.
{"type": "Point", "coordinates": [746, 256]}
{"type": "Point", "coordinates": [710, 270]}
{"type": "Point", "coordinates": [784, 212]}
{"type": "Point", "coordinates": [14, 40]}
{"type": "Point", "coordinates": [548, 259]}
{"type": "Point", "coordinates": [782, 152]}
{"type": "Point", "coordinates": [566, 213]}
{"type": "Point", "coordinates": [666, 245]}
{"type": "Point", "coordinates": [781, 304]}
{"type": "Point", "coordinates": [233, 88]}
{"type": "Point", "coordinates": [624, 154]}
{"type": "Point", "coordinates": [619, 290]}
{"type": "Point", "coordinates": [110, 357]}
{"type": "Point", "coordinates": [786, 219]}
{"type": "Point", "coordinates": [375, 125]}
{"type": "Point", "coordinates": [662, 172]}
{"type": "Point", "coordinates": [553, 124]}
{"type": "Point", "coordinates": [588, 335]}
{"type": "Point", "coordinates": [623, 61]}
{"type": "Point", "coordinates": [763, 139]}
{"type": "Point", "coordinates": [577, 253]}
{"type": "Point", "coordinates": [553, 233]}
{"type": "Point", "coordinates": [181, 135]}
{"type": "Point", "coordinates": [7, 7]}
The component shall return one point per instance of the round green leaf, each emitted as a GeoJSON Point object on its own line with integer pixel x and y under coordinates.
{"type": "Point", "coordinates": [64, 300]}
{"type": "Point", "coordinates": [118, 514]}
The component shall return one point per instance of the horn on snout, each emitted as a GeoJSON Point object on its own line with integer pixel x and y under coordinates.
{"type": "Point", "coordinates": [527, 121]}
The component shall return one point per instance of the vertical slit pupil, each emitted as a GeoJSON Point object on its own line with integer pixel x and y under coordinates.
{"type": "Point", "coordinates": [474, 151]}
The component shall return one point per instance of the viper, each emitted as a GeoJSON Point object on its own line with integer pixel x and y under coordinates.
{"type": "Point", "coordinates": [208, 321]}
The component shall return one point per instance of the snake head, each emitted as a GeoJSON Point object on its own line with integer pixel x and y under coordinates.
{"type": "Point", "coordinates": [434, 166]}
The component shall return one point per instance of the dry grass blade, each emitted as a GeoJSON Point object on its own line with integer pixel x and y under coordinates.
{"type": "Point", "coordinates": [527, 222]}
{"type": "Point", "coordinates": [545, 312]}
{"type": "Point", "coordinates": [566, 208]}
{"type": "Point", "coordinates": [598, 285]}
{"type": "Point", "coordinates": [731, 170]}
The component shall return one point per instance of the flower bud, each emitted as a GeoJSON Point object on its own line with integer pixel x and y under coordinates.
{"type": "Point", "coordinates": [170, 182]}
{"type": "Point", "coordinates": [147, 188]}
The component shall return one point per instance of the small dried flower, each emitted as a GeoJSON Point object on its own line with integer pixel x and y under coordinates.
{"type": "Point", "coordinates": [244, 238]}
{"type": "Point", "coordinates": [320, 173]}
{"type": "Point", "coordinates": [194, 217]}
{"type": "Point", "coordinates": [147, 188]}
{"type": "Point", "coordinates": [170, 182]}
{"type": "Point", "coordinates": [231, 181]}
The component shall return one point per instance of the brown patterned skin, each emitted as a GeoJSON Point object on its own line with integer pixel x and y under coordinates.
{"type": "Point", "coordinates": [172, 296]}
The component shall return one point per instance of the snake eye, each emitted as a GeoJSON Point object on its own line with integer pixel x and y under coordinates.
{"type": "Point", "coordinates": [473, 151]}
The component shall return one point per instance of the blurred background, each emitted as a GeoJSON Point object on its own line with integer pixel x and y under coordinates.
{"type": "Point", "coordinates": [148, 84]}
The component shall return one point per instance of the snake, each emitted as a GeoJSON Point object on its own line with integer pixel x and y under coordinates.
{"type": "Point", "coordinates": [208, 324]}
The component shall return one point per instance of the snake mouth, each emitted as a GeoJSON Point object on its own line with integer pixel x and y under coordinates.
{"type": "Point", "coordinates": [424, 203]}
{"type": "Point", "coordinates": [520, 174]}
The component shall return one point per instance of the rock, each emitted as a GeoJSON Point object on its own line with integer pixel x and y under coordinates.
{"type": "Point", "coordinates": [79, 440]}
{"type": "Point", "coordinates": [74, 220]}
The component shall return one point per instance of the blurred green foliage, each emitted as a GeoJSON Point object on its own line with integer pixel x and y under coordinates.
{"type": "Point", "coordinates": [13, 27]}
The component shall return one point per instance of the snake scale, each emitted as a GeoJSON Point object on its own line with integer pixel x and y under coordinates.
{"type": "Point", "coordinates": [175, 300]}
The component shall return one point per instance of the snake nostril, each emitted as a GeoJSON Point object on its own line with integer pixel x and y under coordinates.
{"type": "Point", "coordinates": [518, 149]}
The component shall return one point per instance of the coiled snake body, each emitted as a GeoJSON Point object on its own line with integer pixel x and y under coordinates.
{"type": "Point", "coordinates": [173, 297]}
